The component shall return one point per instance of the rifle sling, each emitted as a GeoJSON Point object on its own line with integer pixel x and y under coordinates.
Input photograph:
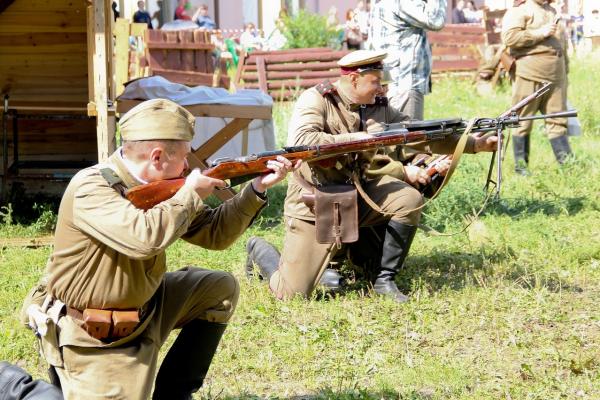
{"type": "Point", "coordinates": [458, 152]}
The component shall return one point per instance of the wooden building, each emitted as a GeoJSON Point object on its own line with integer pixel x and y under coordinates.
{"type": "Point", "coordinates": [56, 110]}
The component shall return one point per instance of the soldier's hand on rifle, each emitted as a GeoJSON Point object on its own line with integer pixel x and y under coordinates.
{"type": "Point", "coordinates": [373, 126]}
{"type": "Point", "coordinates": [443, 166]}
{"type": "Point", "coordinates": [486, 143]}
{"type": "Point", "coordinates": [203, 185]}
{"type": "Point", "coordinates": [415, 176]}
{"type": "Point", "coordinates": [546, 30]}
{"type": "Point", "coordinates": [279, 168]}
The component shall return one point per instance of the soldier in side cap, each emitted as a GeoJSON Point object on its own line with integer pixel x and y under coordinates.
{"type": "Point", "coordinates": [335, 113]}
{"type": "Point", "coordinates": [538, 42]}
{"type": "Point", "coordinates": [108, 267]}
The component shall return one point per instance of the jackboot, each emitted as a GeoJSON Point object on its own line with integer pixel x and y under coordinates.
{"type": "Point", "coordinates": [17, 384]}
{"type": "Point", "coordinates": [185, 366]}
{"type": "Point", "coordinates": [266, 257]}
{"type": "Point", "coordinates": [262, 254]}
{"type": "Point", "coordinates": [561, 148]}
{"type": "Point", "coordinates": [331, 281]}
{"type": "Point", "coordinates": [396, 244]}
{"type": "Point", "coordinates": [521, 152]}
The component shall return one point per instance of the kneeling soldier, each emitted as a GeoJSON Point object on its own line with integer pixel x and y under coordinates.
{"type": "Point", "coordinates": [334, 113]}
{"type": "Point", "coordinates": [110, 303]}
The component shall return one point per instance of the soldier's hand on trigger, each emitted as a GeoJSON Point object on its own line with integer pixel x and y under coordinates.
{"type": "Point", "coordinates": [203, 185]}
{"type": "Point", "coordinates": [415, 176]}
{"type": "Point", "coordinates": [443, 166]}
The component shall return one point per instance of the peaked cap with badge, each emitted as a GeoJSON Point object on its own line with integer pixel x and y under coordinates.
{"type": "Point", "coordinates": [362, 61]}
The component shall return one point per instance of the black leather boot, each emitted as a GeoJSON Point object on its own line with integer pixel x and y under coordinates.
{"type": "Point", "coordinates": [266, 257]}
{"type": "Point", "coordinates": [185, 366]}
{"type": "Point", "coordinates": [262, 254]}
{"type": "Point", "coordinates": [561, 148]}
{"type": "Point", "coordinates": [17, 384]}
{"type": "Point", "coordinates": [521, 152]}
{"type": "Point", "coordinates": [396, 244]}
{"type": "Point", "coordinates": [331, 281]}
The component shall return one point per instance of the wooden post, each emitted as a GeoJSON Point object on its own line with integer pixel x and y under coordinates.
{"type": "Point", "coordinates": [105, 135]}
{"type": "Point", "coordinates": [121, 33]}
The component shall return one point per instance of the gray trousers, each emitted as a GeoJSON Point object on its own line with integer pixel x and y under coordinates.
{"type": "Point", "coordinates": [411, 103]}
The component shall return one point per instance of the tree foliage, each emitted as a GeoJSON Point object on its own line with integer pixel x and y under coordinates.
{"type": "Point", "coordinates": [306, 30]}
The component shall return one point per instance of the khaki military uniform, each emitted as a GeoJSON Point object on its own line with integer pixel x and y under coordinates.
{"type": "Point", "coordinates": [332, 118]}
{"type": "Point", "coordinates": [110, 255]}
{"type": "Point", "coordinates": [538, 60]}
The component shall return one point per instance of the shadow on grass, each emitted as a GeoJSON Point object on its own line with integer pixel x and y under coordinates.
{"type": "Point", "coordinates": [440, 270]}
{"type": "Point", "coordinates": [518, 208]}
{"type": "Point", "coordinates": [327, 393]}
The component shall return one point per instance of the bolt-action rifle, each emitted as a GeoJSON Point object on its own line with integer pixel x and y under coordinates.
{"type": "Point", "coordinates": [240, 169]}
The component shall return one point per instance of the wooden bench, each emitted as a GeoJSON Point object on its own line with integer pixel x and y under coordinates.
{"type": "Point", "coordinates": [457, 48]}
{"type": "Point", "coordinates": [185, 57]}
{"type": "Point", "coordinates": [283, 74]}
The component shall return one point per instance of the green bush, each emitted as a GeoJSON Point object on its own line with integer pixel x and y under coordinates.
{"type": "Point", "coordinates": [309, 30]}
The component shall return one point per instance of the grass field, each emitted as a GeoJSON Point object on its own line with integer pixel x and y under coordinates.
{"type": "Point", "coordinates": [507, 310]}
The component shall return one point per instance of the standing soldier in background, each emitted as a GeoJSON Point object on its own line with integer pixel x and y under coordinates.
{"type": "Point", "coordinates": [400, 29]}
{"type": "Point", "coordinates": [531, 32]}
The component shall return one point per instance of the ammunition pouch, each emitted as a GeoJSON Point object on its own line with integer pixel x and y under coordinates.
{"type": "Point", "coordinates": [106, 324]}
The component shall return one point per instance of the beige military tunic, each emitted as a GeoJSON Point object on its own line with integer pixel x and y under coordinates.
{"type": "Point", "coordinates": [319, 119]}
{"type": "Point", "coordinates": [538, 60]}
{"type": "Point", "coordinates": [109, 254]}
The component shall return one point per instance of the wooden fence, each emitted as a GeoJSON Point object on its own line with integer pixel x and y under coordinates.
{"type": "Point", "coordinates": [283, 74]}
{"type": "Point", "coordinates": [185, 57]}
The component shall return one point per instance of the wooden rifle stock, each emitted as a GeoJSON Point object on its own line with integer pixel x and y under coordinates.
{"type": "Point", "coordinates": [148, 195]}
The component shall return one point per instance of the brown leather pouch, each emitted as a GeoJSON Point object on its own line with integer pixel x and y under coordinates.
{"type": "Point", "coordinates": [124, 322]}
{"type": "Point", "coordinates": [97, 322]}
{"type": "Point", "coordinates": [336, 214]}
{"type": "Point", "coordinates": [309, 200]}
{"type": "Point", "coordinates": [508, 63]}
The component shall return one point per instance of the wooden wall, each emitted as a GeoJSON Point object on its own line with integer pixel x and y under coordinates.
{"type": "Point", "coordinates": [44, 63]}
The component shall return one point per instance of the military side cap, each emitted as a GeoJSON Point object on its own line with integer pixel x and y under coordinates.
{"type": "Point", "coordinates": [157, 119]}
{"type": "Point", "coordinates": [362, 60]}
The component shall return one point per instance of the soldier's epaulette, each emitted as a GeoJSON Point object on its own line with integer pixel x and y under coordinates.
{"type": "Point", "coordinates": [325, 88]}
{"type": "Point", "coordinates": [111, 176]}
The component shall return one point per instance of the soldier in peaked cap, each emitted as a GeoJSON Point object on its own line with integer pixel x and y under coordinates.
{"type": "Point", "coordinates": [334, 113]}
{"type": "Point", "coordinates": [109, 302]}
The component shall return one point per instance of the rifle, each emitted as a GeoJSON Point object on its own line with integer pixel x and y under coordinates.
{"type": "Point", "coordinates": [431, 164]}
{"type": "Point", "coordinates": [240, 169]}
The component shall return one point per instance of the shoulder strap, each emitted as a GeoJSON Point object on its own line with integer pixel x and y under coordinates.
{"type": "Point", "coordinates": [326, 87]}
{"type": "Point", "coordinates": [111, 177]}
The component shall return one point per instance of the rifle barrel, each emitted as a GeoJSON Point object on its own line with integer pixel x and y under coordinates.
{"type": "Point", "coordinates": [563, 114]}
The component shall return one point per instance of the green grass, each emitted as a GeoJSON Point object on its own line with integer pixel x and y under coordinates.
{"type": "Point", "coordinates": [507, 310]}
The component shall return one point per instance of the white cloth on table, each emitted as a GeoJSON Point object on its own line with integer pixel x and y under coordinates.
{"type": "Point", "coordinates": [261, 135]}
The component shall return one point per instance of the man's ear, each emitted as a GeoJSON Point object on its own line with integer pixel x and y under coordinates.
{"type": "Point", "coordinates": [354, 78]}
{"type": "Point", "coordinates": [156, 155]}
